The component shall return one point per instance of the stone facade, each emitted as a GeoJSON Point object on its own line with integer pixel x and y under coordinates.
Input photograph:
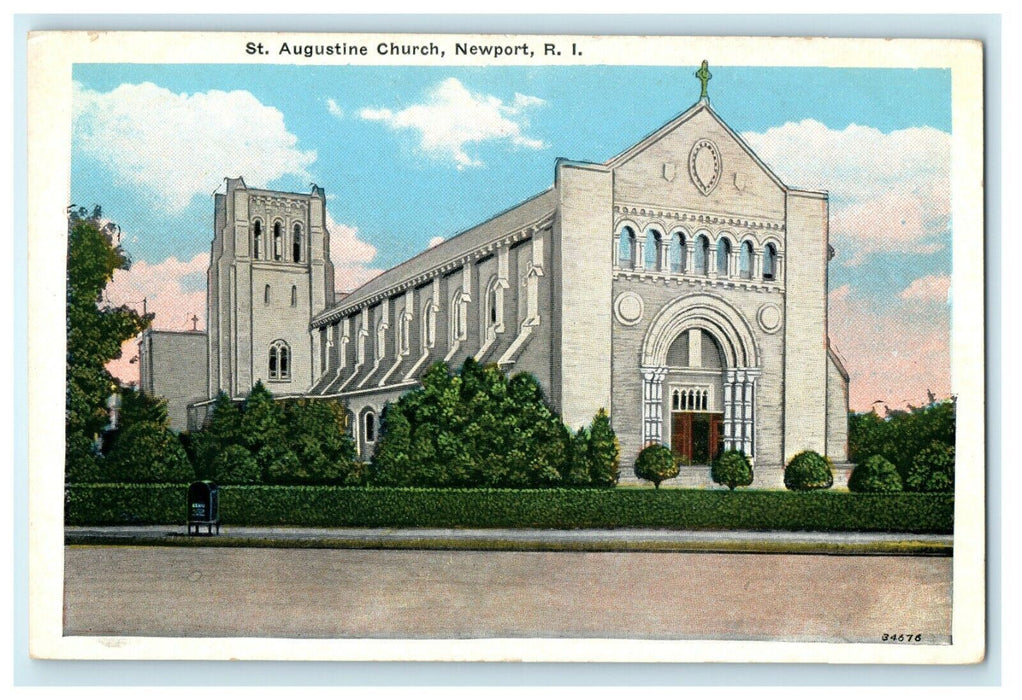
{"type": "Point", "coordinates": [172, 364]}
{"type": "Point", "coordinates": [680, 285]}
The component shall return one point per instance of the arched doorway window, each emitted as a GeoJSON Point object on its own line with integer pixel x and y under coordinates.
{"type": "Point", "coordinates": [702, 255]}
{"type": "Point", "coordinates": [723, 257]}
{"type": "Point", "coordinates": [653, 252]}
{"type": "Point", "coordinates": [769, 262]}
{"type": "Point", "coordinates": [626, 249]}
{"type": "Point", "coordinates": [745, 261]}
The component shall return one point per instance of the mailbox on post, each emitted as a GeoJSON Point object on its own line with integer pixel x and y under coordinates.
{"type": "Point", "coordinates": [203, 507]}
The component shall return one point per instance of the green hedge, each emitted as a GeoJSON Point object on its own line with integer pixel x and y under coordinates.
{"type": "Point", "coordinates": [329, 506]}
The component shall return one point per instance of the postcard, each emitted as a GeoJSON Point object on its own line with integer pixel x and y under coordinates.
{"type": "Point", "coordinates": [506, 348]}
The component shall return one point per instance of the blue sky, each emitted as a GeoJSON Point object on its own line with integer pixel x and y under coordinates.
{"type": "Point", "coordinates": [408, 155]}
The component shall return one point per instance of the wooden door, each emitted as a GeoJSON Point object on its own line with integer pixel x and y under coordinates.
{"type": "Point", "coordinates": [716, 434]}
{"type": "Point", "coordinates": [681, 436]}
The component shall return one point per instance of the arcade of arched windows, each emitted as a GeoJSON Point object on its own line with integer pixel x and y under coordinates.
{"type": "Point", "coordinates": [723, 254]}
{"type": "Point", "coordinates": [278, 241]}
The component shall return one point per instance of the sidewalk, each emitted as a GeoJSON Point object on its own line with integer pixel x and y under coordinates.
{"type": "Point", "coordinates": [591, 540]}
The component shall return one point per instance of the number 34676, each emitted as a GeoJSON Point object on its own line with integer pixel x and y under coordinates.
{"type": "Point", "coordinates": [901, 637]}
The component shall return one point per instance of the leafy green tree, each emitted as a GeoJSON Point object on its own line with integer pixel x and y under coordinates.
{"type": "Point", "coordinates": [603, 451]}
{"type": "Point", "coordinates": [901, 435]}
{"type": "Point", "coordinates": [148, 453]}
{"type": "Point", "coordinates": [477, 427]}
{"type": "Point", "coordinates": [656, 463]}
{"type": "Point", "coordinates": [875, 475]}
{"type": "Point", "coordinates": [262, 420]}
{"type": "Point", "coordinates": [236, 465]}
{"type": "Point", "coordinates": [808, 471]}
{"type": "Point", "coordinates": [316, 432]}
{"type": "Point", "coordinates": [95, 332]}
{"type": "Point", "coordinates": [933, 469]}
{"type": "Point", "coordinates": [731, 468]}
{"type": "Point", "coordinates": [223, 428]}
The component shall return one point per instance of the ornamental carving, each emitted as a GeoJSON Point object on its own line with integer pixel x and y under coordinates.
{"type": "Point", "coordinates": [628, 308]}
{"type": "Point", "coordinates": [769, 318]}
{"type": "Point", "coordinates": [704, 166]}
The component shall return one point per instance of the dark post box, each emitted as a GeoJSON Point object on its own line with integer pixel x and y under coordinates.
{"type": "Point", "coordinates": [203, 507]}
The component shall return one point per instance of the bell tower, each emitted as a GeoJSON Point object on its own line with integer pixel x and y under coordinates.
{"type": "Point", "coordinates": [269, 273]}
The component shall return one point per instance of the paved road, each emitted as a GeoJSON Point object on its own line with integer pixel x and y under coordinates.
{"type": "Point", "coordinates": [871, 542]}
{"type": "Point", "coordinates": [336, 593]}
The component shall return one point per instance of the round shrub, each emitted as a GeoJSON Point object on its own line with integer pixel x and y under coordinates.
{"type": "Point", "coordinates": [731, 468]}
{"type": "Point", "coordinates": [933, 469]}
{"type": "Point", "coordinates": [656, 463]}
{"type": "Point", "coordinates": [875, 475]}
{"type": "Point", "coordinates": [808, 471]}
{"type": "Point", "coordinates": [236, 465]}
{"type": "Point", "coordinates": [149, 453]}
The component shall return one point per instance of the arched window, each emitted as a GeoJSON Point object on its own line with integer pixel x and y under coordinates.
{"type": "Point", "coordinates": [702, 256]}
{"type": "Point", "coordinates": [745, 261]}
{"type": "Point", "coordinates": [675, 400]}
{"type": "Point", "coordinates": [381, 339]}
{"type": "Point", "coordinates": [257, 239]}
{"type": "Point", "coordinates": [653, 252]}
{"type": "Point", "coordinates": [266, 294]}
{"type": "Point", "coordinates": [429, 325]}
{"type": "Point", "coordinates": [769, 262]}
{"type": "Point", "coordinates": [676, 252]}
{"type": "Point", "coordinates": [492, 303]}
{"type": "Point", "coordinates": [296, 244]}
{"type": "Point", "coordinates": [294, 295]}
{"type": "Point", "coordinates": [626, 249]}
{"type": "Point", "coordinates": [280, 360]}
{"type": "Point", "coordinates": [723, 256]}
{"type": "Point", "coordinates": [404, 330]}
{"type": "Point", "coordinates": [459, 317]}
{"type": "Point", "coordinates": [277, 241]}
{"type": "Point", "coordinates": [369, 426]}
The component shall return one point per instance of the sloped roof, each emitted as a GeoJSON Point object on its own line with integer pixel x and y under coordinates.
{"type": "Point", "coordinates": [520, 216]}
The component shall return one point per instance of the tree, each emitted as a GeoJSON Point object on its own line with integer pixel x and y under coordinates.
{"type": "Point", "coordinates": [933, 469]}
{"type": "Point", "coordinates": [95, 331]}
{"type": "Point", "coordinates": [477, 427]}
{"type": "Point", "coordinates": [731, 468]}
{"type": "Point", "coordinates": [148, 453]}
{"type": "Point", "coordinates": [875, 475]}
{"type": "Point", "coordinates": [656, 463]}
{"type": "Point", "coordinates": [316, 433]}
{"type": "Point", "coordinates": [901, 435]}
{"type": "Point", "coordinates": [808, 471]}
{"type": "Point", "coordinates": [603, 451]}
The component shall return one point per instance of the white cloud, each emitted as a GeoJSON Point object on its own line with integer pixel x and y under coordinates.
{"type": "Point", "coordinates": [334, 108]}
{"type": "Point", "coordinates": [926, 289]}
{"type": "Point", "coordinates": [452, 117]}
{"type": "Point", "coordinates": [350, 255]}
{"type": "Point", "coordinates": [173, 147]}
{"type": "Point", "coordinates": [435, 241]}
{"type": "Point", "coordinates": [889, 192]}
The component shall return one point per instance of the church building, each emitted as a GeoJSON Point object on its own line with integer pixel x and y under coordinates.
{"type": "Point", "coordinates": [680, 285]}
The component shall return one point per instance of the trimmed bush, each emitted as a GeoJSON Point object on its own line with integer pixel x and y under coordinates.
{"type": "Point", "coordinates": [932, 470]}
{"type": "Point", "coordinates": [148, 453]}
{"type": "Point", "coordinates": [333, 506]}
{"type": "Point", "coordinates": [656, 463]}
{"type": "Point", "coordinates": [603, 451]}
{"type": "Point", "coordinates": [875, 475]}
{"type": "Point", "coordinates": [236, 465]}
{"type": "Point", "coordinates": [731, 468]}
{"type": "Point", "coordinates": [81, 463]}
{"type": "Point", "coordinates": [808, 471]}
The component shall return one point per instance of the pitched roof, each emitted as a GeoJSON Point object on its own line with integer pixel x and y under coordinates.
{"type": "Point", "coordinates": [520, 216]}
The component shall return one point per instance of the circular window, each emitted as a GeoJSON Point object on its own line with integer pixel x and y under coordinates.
{"type": "Point", "coordinates": [628, 308]}
{"type": "Point", "coordinates": [769, 317]}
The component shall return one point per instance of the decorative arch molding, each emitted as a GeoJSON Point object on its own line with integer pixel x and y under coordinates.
{"type": "Point", "coordinates": [707, 312]}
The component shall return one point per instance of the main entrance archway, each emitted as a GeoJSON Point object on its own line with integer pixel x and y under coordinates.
{"type": "Point", "coordinates": [711, 405]}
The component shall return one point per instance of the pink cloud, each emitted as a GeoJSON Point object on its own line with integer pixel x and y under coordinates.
{"type": "Point", "coordinates": [351, 256]}
{"type": "Point", "coordinates": [168, 295]}
{"type": "Point", "coordinates": [894, 356]}
{"type": "Point", "coordinates": [929, 288]}
{"type": "Point", "coordinates": [893, 222]}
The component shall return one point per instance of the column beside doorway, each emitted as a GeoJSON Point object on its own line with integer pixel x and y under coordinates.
{"type": "Point", "coordinates": [739, 409]}
{"type": "Point", "coordinates": [653, 404]}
